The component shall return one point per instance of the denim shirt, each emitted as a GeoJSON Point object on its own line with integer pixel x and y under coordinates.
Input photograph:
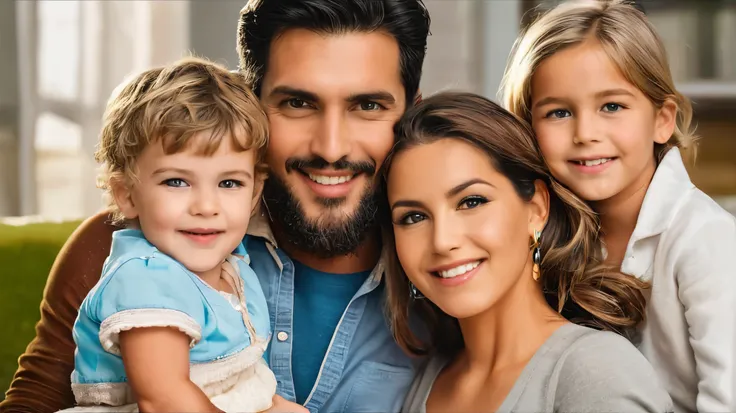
{"type": "Point", "coordinates": [364, 369]}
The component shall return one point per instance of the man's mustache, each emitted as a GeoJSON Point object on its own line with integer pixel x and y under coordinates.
{"type": "Point", "coordinates": [366, 167]}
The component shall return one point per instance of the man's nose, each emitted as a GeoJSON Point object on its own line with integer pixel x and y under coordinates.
{"type": "Point", "coordinates": [332, 142]}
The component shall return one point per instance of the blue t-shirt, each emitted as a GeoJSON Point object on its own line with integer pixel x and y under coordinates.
{"type": "Point", "coordinates": [320, 298]}
{"type": "Point", "coordinates": [143, 287]}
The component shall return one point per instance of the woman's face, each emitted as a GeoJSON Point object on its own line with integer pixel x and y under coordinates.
{"type": "Point", "coordinates": [462, 231]}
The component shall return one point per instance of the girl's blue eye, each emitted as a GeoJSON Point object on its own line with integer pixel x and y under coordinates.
{"type": "Point", "coordinates": [558, 113]}
{"type": "Point", "coordinates": [612, 107]}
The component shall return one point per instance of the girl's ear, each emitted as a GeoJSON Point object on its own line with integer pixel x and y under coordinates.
{"type": "Point", "coordinates": [665, 122]}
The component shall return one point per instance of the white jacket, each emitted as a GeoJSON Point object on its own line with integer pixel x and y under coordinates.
{"type": "Point", "coordinates": [684, 244]}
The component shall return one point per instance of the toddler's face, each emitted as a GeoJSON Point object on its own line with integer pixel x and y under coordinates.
{"type": "Point", "coordinates": [192, 207]}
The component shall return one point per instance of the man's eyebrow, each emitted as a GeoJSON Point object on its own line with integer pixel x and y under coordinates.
{"type": "Point", "coordinates": [295, 93]}
{"type": "Point", "coordinates": [377, 95]}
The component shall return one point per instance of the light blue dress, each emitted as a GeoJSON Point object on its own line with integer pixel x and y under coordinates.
{"type": "Point", "coordinates": [142, 287]}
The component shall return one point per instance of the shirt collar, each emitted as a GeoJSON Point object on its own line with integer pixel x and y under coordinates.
{"type": "Point", "coordinates": [260, 225]}
{"type": "Point", "coordinates": [669, 186]}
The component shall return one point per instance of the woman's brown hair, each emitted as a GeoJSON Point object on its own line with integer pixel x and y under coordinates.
{"type": "Point", "coordinates": [573, 276]}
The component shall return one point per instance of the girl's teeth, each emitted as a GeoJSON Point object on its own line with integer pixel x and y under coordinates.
{"type": "Point", "coordinates": [594, 162]}
{"type": "Point", "coordinates": [329, 180]}
{"type": "Point", "coordinates": [459, 270]}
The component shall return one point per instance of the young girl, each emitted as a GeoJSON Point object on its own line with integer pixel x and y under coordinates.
{"type": "Point", "coordinates": [178, 321]}
{"type": "Point", "coordinates": [592, 78]}
{"type": "Point", "coordinates": [492, 253]}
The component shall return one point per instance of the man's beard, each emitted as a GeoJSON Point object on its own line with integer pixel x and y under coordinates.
{"type": "Point", "coordinates": [325, 237]}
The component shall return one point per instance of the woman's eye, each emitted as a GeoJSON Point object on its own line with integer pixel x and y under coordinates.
{"type": "Point", "coordinates": [411, 218]}
{"type": "Point", "coordinates": [175, 183]}
{"type": "Point", "coordinates": [472, 202]}
{"type": "Point", "coordinates": [230, 183]}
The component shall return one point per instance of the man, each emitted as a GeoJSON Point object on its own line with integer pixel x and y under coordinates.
{"type": "Point", "coordinates": [334, 77]}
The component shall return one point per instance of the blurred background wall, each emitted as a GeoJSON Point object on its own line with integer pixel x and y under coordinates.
{"type": "Point", "coordinates": [60, 60]}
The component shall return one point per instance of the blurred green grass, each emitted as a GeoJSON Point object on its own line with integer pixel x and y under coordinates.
{"type": "Point", "coordinates": [27, 253]}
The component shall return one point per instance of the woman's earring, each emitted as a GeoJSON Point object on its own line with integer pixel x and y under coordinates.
{"type": "Point", "coordinates": [414, 292]}
{"type": "Point", "coordinates": [536, 255]}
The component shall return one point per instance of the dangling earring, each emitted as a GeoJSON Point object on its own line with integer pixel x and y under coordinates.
{"type": "Point", "coordinates": [414, 292]}
{"type": "Point", "coordinates": [536, 255]}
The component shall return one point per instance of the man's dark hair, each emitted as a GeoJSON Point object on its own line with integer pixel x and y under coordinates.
{"type": "Point", "coordinates": [261, 21]}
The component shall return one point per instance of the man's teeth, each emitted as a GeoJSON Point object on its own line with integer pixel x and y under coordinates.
{"type": "Point", "coordinates": [459, 270]}
{"type": "Point", "coordinates": [330, 180]}
{"type": "Point", "coordinates": [594, 162]}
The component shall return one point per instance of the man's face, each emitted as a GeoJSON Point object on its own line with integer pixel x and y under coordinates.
{"type": "Point", "coordinates": [332, 101]}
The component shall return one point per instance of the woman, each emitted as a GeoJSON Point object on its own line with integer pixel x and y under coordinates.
{"type": "Point", "coordinates": [496, 257]}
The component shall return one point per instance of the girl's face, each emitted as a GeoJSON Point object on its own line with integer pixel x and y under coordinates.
{"type": "Point", "coordinates": [193, 208]}
{"type": "Point", "coordinates": [462, 232]}
{"type": "Point", "coordinates": [595, 129]}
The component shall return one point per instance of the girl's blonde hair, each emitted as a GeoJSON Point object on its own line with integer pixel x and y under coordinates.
{"type": "Point", "coordinates": [628, 39]}
{"type": "Point", "coordinates": [171, 105]}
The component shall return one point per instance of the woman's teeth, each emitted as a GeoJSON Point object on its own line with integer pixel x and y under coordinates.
{"type": "Point", "coordinates": [330, 180]}
{"type": "Point", "coordinates": [594, 162]}
{"type": "Point", "coordinates": [459, 270]}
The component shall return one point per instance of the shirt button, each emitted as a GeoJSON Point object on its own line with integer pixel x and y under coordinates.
{"type": "Point", "coordinates": [282, 336]}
